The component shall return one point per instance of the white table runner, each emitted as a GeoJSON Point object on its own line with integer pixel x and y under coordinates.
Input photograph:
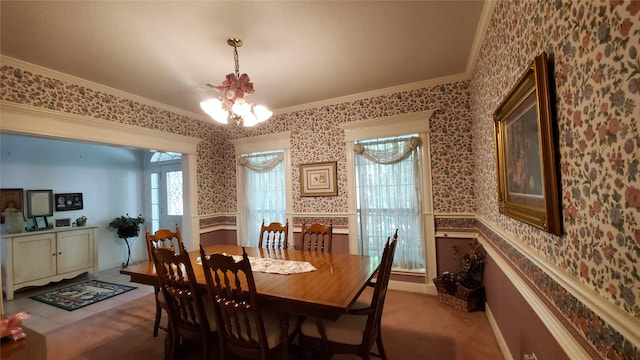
{"type": "Point", "coordinates": [274, 266]}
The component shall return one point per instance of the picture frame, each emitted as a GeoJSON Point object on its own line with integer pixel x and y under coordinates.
{"type": "Point", "coordinates": [61, 223]}
{"type": "Point", "coordinates": [11, 198]}
{"type": "Point", "coordinates": [318, 179]}
{"type": "Point", "coordinates": [69, 201]}
{"type": "Point", "coordinates": [40, 222]}
{"type": "Point", "coordinates": [39, 202]}
{"type": "Point", "coordinates": [525, 151]}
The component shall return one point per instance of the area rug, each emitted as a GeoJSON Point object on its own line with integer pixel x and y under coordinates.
{"type": "Point", "coordinates": [80, 295]}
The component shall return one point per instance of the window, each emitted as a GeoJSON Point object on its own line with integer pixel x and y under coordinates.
{"type": "Point", "coordinates": [389, 187]}
{"type": "Point", "coordinates": [263, 177]}
{"type": "Point", "coordinates": [264, 192]}
{"type": "Point", "coordinates": [388, 190]}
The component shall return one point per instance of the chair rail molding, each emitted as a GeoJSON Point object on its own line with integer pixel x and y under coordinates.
{"type": "Point", "coordinates": [610, 313]}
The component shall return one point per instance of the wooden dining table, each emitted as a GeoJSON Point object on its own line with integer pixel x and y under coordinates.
{"type": "Point", "coordinates": [326, 293]}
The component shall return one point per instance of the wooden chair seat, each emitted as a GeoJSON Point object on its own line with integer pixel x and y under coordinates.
{"type": "Point", "coordinates": [348, 329]}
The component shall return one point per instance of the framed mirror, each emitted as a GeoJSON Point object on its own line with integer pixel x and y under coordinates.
{"type": "Point", "coordinates": [39, 203]}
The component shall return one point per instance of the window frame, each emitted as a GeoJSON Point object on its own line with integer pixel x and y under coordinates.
{"type": "Point", "coordinates": [398, 125]}
{"type": "Point", "coordinates": [269, 142]}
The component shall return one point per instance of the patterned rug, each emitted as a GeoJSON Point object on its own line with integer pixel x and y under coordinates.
{"type": "Point", "coordinates": [80, 295]}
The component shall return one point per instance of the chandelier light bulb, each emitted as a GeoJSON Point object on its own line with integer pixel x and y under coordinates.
{"type": "Point", "coordinates": [213, 108]}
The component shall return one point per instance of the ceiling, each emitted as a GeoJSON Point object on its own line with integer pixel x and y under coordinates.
{"type": "Point", "coordinates": [295, 52]}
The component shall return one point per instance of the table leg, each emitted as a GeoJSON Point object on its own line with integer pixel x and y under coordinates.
{"type": "Point", "coordinates": [284, 335]}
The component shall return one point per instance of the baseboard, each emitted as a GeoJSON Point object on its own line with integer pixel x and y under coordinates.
{"type": "Point", "coordinates": [502, 343]}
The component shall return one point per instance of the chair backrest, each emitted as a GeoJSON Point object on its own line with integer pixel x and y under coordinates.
{"type": "Point", "coordinates": [316, 237]}
{"type": "Point", "coordinates": [380, 291]}
{"type": "Point", "coordinates": [239, 319]}
{"type": "Point", "coordinates": [274, 236]}
{"type": "Point", "coordinates": [177, 281]}
{"type": "Point", "coordinates": [164, 238]}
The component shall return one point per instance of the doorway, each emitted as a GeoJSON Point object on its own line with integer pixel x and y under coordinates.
{"type": "Point", "coordinates": [165, 190]}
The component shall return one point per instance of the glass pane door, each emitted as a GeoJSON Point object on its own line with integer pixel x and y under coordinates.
{"type": "Point", "coordinates": [166, 197]}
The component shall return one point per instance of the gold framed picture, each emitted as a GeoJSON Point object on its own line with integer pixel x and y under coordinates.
{"type": "Point", "coordinates": [318, 179]}
{"type": "Point", "coordinates": [526, 161]}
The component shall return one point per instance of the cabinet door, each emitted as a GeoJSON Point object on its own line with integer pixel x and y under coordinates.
{"type": "Point", "coordinates": [75, 250]}
{"type": "Point", "coordinates": [34, 257]}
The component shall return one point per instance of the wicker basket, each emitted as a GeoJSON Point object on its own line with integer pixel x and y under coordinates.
{"type": "Point", "coordinates": [464, 299]}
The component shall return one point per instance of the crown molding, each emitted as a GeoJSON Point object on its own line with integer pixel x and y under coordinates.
{"type": "Point", "coordinates": [37, 69]}
{"type": "Point", "coordinates": [481, 31]}
{"type": "Point", "coordinates": [374, 93]}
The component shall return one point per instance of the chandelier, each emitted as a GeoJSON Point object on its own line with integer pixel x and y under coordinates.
{"type": "Point", "coordinates": [233, 104]}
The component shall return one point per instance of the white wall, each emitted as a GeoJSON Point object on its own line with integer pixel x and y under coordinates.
{"type": "Point", "coordinates": [109, 178]}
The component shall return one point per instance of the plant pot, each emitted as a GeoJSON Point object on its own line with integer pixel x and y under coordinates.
{"type": "Point", "coordinates": [128, 232]}
{"type": "Point", "coordinates": [14, 222]}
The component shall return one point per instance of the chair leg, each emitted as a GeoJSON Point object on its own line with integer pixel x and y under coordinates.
{"type": "Point", "coordinates": [383, 355]}
{"type": "Point", "coordinates": [156, 324]}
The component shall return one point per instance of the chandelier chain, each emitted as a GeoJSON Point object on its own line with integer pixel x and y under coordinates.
{"type": "Point", "coordinates": [235, 58]}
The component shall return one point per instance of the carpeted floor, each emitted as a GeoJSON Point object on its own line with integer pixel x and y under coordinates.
{"type": "Point", "coordinates": [415, 326]}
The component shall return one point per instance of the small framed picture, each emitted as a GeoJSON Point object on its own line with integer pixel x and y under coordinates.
{"type": "Point", "coordinates": [40, 222]}
{"type": "Point", "coordinates": [71, 201]}
{"type": "Point", "coordinates": [318, 179]}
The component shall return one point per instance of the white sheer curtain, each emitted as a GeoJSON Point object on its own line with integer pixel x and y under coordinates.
{"type": "Point", "coordinates": [264, 192]}
{"type": "Point", "coordinates": [388, 185]}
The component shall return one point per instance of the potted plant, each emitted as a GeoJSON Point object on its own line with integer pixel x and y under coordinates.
{"type": "Point", "coordinates": [127, 226]}
{"type": "Point", "coordinates": [463, 289]}
{"type": "Point", "coordinates": [472, 261]}
{"type": "Point", "coordinates": [81, 221]}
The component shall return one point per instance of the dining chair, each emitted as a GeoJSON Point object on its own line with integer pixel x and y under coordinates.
{"type": "Point", "coordinates": [356, 331]}
{"type": "Point", "coordinates": [245, 328]}
{"type": "Point", "coordinates": [189, 318]}
{"type": "Point", "coordinates": [163, 238]}
{"type": "Point", "coordinates": [274, 236]}
{"type": "Point", "coordinates": [316, 237]}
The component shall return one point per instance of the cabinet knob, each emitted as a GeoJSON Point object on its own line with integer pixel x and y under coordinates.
{"type": "Point", "coordinates": [54, 254]}
{"type": "Point", "coordinates": [60, 253]}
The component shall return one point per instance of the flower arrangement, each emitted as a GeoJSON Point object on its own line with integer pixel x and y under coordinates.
{"type": "Point", "coordinates": [127, 226]}
{"type": "Point", "coordinates": [472, 261]}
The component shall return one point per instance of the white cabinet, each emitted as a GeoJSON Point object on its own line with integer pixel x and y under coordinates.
{"type": "Point", "coordinates": [38, 258]}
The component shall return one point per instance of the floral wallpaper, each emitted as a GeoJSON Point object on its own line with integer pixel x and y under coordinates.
{"type": "Point", "coordinates": [593, 47]}
{"type": "Point", "coordinates": [315, 137]}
